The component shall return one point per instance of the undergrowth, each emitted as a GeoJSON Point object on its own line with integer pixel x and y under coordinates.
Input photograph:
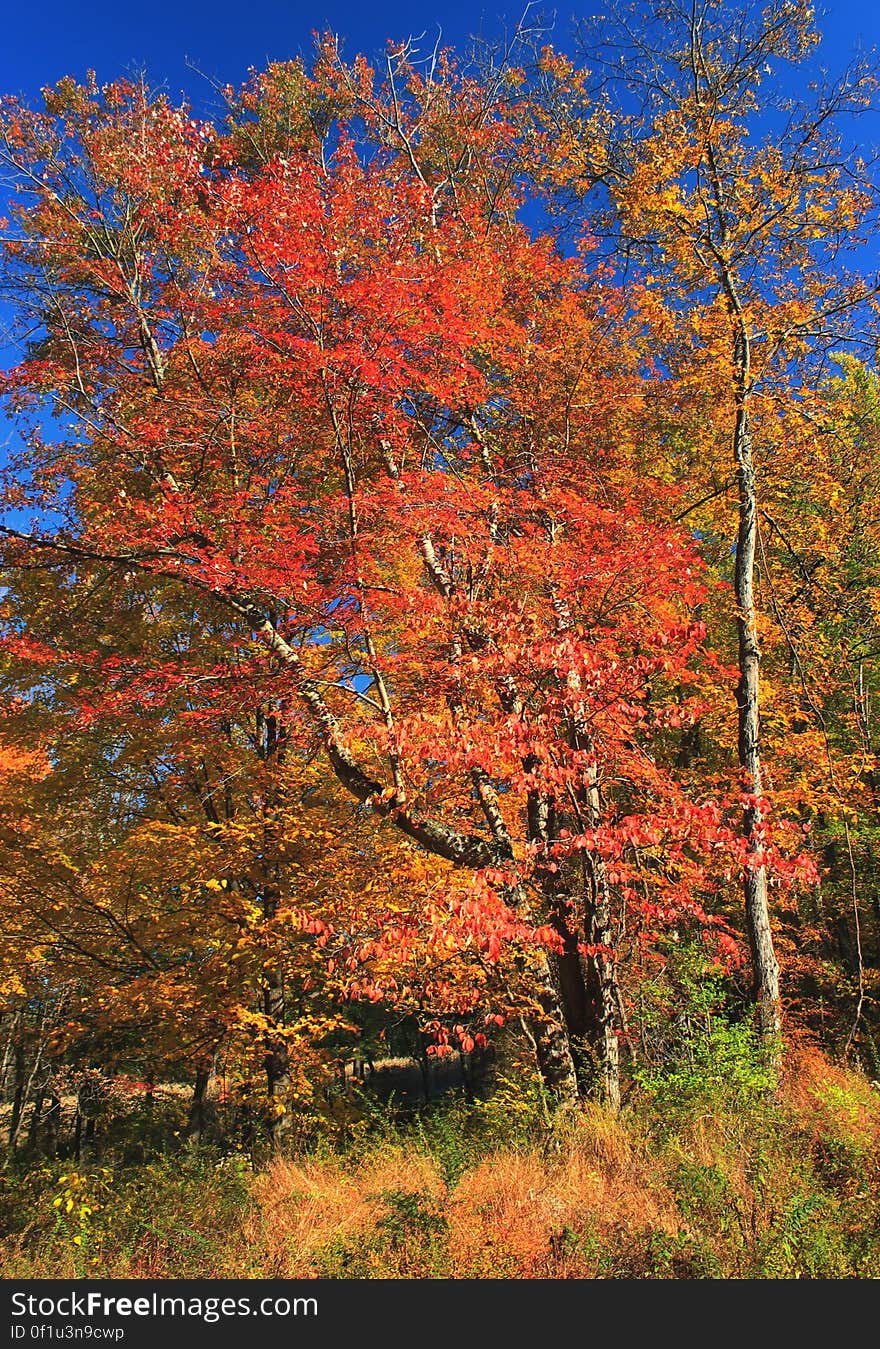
{"type": "Point", "coordinates": [723, 1163]}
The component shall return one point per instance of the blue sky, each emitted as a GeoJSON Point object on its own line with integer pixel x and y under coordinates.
{"type": "Point", "coordinates": [45, 39]}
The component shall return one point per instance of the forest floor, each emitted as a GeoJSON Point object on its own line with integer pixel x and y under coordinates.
{"type": "Point", "coordinates": [719, 1181]}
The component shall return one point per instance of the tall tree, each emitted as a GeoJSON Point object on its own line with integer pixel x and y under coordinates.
{"type": "Point", "coordinates": [736, 206]}
{"type": "Point", "coordinates": [343, 427]}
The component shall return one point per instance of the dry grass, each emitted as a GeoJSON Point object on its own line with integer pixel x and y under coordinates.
{"type": "Point", "coordinates": [533, 1215]}
{"type": "Point", "coordinates": [788, 1188]}
{"type": "Point", "coordinates": [831, 1101]}
{"type": "Point", "coordinates": [305, 1210]}
{"type": "Point", "coordinates": [520, 1212]}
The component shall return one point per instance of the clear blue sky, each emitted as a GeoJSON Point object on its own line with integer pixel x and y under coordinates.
{"type": "Point", "coordinates": [45, 39]}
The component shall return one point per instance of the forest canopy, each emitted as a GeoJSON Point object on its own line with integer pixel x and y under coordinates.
{"type": "Point", "coordinates": [441, 566]}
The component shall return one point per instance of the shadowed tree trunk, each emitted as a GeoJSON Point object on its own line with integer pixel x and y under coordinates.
{"type": "Point", "coordinates": [18, 1062]}
{"type": "Point", "coordinates": [276, 1062]}
{"type": "Point", "coordinates": [195, 1125]}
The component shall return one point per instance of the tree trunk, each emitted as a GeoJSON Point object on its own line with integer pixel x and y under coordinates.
{"type": "Point", "coordinates": [587, 997]}
{"type": "Point", "coordinates": [765, 969]}
{"type": "Point", "coordinates": [195, 1125]}
{"type": "Point", "coordinates": [9, 1050]}
{"type": "Point", "coordinates": [564, 1037]}
{"type": "Point", "coordinates": [602, 986]}
{"type": "Point", "coordinates": [588, 983]}
{"type": "Point", "coordinates": [36, 1065]}
{"type": "Point", "coordinates": [17, 1097]}
{"type": "Point", "coordinates": [53, 1120]}
{"type": "Point", "coordinates": [276, 1062]}
{"type": "Point", "coordinates": [549, 1035]}
{"type": "Point", "coordinates": [36, 1117]}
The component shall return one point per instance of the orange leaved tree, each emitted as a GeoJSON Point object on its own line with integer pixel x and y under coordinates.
{"type": "Point", "coordinates": [337, 415]}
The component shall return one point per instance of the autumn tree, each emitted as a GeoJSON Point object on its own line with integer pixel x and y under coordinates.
{"type": "Point", "coordinates": [329, 403]}
{"type": "Point", "coordinates": [818, 552]}
{"type": "Point", "coordinates": [735, 207]}
{"type": "Point", "coordinates": [178, 898]}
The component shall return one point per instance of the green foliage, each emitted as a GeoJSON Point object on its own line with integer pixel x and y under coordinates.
{"type": "Point", "coordinates": [698, 1056]}
{"type": "Point", "coordinates": [762, 1193]}
{"type": "Point", "coordinates": [169, 1217]}
{"type": "Point", "coordinates": [459, 1133]}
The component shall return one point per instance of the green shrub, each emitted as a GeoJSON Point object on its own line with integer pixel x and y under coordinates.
{"type": "Point", "coordinates": [699, 1055]}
